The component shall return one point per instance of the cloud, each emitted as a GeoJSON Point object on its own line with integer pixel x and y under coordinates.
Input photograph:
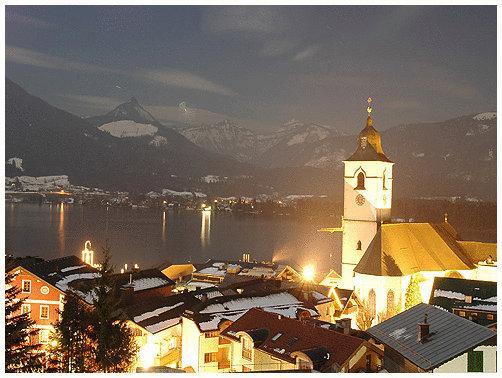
{"type": "Point", "coordinates": [16, 18]}
{"type": "Point", "coordinates": [263, 20]}
{"type": "Point", "coordinates": [183, 79]}
{"type": "Point", "coordinates": [168, 77]}
{"type": "Point", "coordinates": [307, 53]}
{"type": "Point", "coordinates": [95, 102]}
{"type": "Point", "coordinates": [275, 47]}
{"type": "Point", "coordinates": [32, 58]}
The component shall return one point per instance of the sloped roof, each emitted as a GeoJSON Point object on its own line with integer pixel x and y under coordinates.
{"type": "Point", "coordinates": [451, 335]}
{"type": "Point", "coordinates": [211, 313]}
{"type": "Point", "coordinates": [449, 293]}
{"type": "Point", "coordinates": [479, 251]}
{"type": "Point", "coordinates": [400, 249]}
{"type": "Point", "coordinates": [59, 272]}
{"type": "Point", "coordinates": [324, 346]}
{"type": "Point", "coordinates": [158, 313]}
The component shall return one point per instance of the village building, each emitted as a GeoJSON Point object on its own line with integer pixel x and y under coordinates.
{"type": "Point", "coordinates": [381, 259]}
{"type": "Point", "coordinates": [213, 272]}
{"type": "Point", "coordinates": [203, 350]}
{"type": "Point", "coordinates": [470, 299]}
{"type": "Point", "coordinates": [43, 287]}
{"type": "Point", "coordinates": [266, 341]}
{"type": "Point", "coordinates": [428, 339]}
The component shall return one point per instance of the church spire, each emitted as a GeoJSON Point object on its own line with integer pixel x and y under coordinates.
{"type": "Point", "coordinates": [369, 109]}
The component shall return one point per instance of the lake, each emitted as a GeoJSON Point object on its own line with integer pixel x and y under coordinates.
{"type": "Point", "coordinates": [149, 237]}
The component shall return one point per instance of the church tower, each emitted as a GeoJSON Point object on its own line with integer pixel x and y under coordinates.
{"type": "Point", "coordinates": [367, 197]}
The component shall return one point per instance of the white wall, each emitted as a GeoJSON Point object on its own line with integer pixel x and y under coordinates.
{"type": "Point", "coordinates": [190, 344]}
{"type": "Point", "coordinates": [459, 364]}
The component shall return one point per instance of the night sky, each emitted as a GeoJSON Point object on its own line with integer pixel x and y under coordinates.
{"type": "Point", "coordinates": [260, 66]}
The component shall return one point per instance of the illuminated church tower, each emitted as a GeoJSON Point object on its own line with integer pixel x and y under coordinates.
{"type": "Point", "coordinates": [367, 197]}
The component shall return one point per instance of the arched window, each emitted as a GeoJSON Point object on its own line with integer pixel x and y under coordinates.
{"type": "Point", "coordinates": [383, 181]}
{"type": "Point", "coordinates": [360, 181]}
{"type": "Point", "coordinates": [372, 303]}
{"type": "Point", "coordinates": [390, 301]}
{"type": "Point", "coordinates": [359, 245]}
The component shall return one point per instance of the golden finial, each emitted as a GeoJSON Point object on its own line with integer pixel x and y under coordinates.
{"type": "Point", "coordinates": [369, 108]}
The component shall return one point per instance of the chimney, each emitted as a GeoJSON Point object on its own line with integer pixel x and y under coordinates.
{"type": "Point", "coordinates": [127, 294]}
{"type": "Point", "coordinates": [344, 325]}
{"type": "Point", "coordinates": [423, 330]}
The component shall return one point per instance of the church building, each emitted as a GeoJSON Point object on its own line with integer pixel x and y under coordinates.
{"type": "Point", "coordinates": [381, 259]}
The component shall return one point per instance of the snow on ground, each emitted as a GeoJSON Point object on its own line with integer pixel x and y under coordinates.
{"type": "Point", "coordinates": [174, 193]}
{"type": "Point", "coordinates": [17, 162]}
{"type": "Point", "coordinates": [126, 128]}
{"type": "Point", "coordinates": [148, 283]}
{"type": "Point", "coordinates": [157, 312]}
{"type": "Point", "coordinates": [158, 140]}
{"type": "Point", "coordinates": [483, 116]}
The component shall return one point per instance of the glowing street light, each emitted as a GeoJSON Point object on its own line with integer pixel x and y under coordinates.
{"type": "Point", "coordinates": [308, 273]}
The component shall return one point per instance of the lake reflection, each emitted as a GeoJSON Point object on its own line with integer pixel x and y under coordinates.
{"type": "Point", "coordinates": [149, 237]}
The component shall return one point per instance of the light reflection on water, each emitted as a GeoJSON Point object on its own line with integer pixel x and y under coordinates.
{"type": "Point", "coordinates": [150, 237]}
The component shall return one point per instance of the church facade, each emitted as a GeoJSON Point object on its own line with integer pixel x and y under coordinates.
{"type": "Point", "coordinates": [383, 261]}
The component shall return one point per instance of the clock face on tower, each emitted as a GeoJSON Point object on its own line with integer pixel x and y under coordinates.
{"type": "Point", "coordinates": [360, 199]}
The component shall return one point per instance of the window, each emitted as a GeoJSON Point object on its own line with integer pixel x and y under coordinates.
{"type": "Point", "coordinates": [383, 182]}
{"type": "Point", "coordinates": [468, 299]}
{"type": "Point", "coordinates": [359, 245]}
{"type": "Point", "coordinates": [489, 316]}
{"type": "Point", "coordinates": [43, 336]}
{"type": "Point", "coordinates": [304, 365]}
{"type": "Point", "coordinates": [247, 347]}
{"type": "Point", "coordinates": [292, 341]}
{"type": "Point", "coordinates": [372, 303]}
{"type": "Point", "coordinates": [360, 181]}
{"type": "Point", "coordinates": [44, 290]}
{"type": "Point", "coordinates": [475, 361]}
{"type": "Point", "coordinates": [211, 334]}
{"type": "Point", "coordinates": [210, 357]}
{"type": "Point", "coordinates": [26, 286]}
{"type": "Point", "coordinates": [26, 309]}
{"type": "Point", "coordinates": [276, 336]}
{"type": "Point", "coordinates": [461, 313]}
{"type": "Point", "coordinates": [44, 312]}
{"type": "Point", "coordinates": [390, 303]}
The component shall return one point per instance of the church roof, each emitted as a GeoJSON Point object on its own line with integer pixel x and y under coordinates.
{"type": "Point", "coordinates": [400, 249]}
{"type": "Point", "coordinates": [369, 147]}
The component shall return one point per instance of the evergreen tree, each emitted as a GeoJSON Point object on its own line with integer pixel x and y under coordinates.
{"type": "Point", "coordinates": [114, 346]}
{"type": "Point", "coordinates": [412, 295]}
{"type": "Point", "coordinates": [70, 350]}
{"type": "Point", "coordinates": [20, 354]}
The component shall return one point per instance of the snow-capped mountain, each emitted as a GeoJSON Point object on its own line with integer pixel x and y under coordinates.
{"type": "Point", "coordinates": [225, 137]}
{"type": "Point", "coordinates": [128, 111]}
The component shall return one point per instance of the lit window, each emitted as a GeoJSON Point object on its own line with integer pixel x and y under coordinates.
{"type": "Point", "coordinates": [211, 334]}
{"type": "Point", "coordinates": [44, 312]}
{"type": "Point", "coordinates": [210, 357]}
{"type": "Point", "coordinates": [468, 299]}
{"type": "Point", "coordinates": [26, 287]}
{"type": "Point", "coordinates": [43, 336]}
{"type": "Point", "coordinates": [26, 309]}
{"type": "Point", "coordinates": [461, 313]}
{"type": "Point", "coordinates": [489, 316]}
{"type": "Point", "coordinates": [247, 347]}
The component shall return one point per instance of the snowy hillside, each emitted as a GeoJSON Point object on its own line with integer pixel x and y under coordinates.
{"type": "Point", "coordinates": [126, 129]}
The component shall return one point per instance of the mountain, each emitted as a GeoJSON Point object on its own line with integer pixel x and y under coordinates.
{"type": "Point", "coordinates": [52, 141]}
{"type": "Point", "coordinates": [456, 157]}
{"type": "Point", "coordinates": [128, 111]}
{"type": "Point", "coordinates": [229, 138]}
{"type": "Point", "coordinates": [225, 137]}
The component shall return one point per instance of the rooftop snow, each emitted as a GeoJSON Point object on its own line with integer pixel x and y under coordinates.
{"type": "Point", "coordinates": [148, 283]}
{"type": "Point", "coordinates": [157, 327]}
{"type": "Point", "coordinates": [157, 312]}
{"type": "Point", "coordinates": [483, 116]}
{"type": "Point", "coordinates": [63, 284]}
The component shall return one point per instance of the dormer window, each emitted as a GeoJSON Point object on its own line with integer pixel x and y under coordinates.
{"type": "Point", "coordinates": [360, 181]}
